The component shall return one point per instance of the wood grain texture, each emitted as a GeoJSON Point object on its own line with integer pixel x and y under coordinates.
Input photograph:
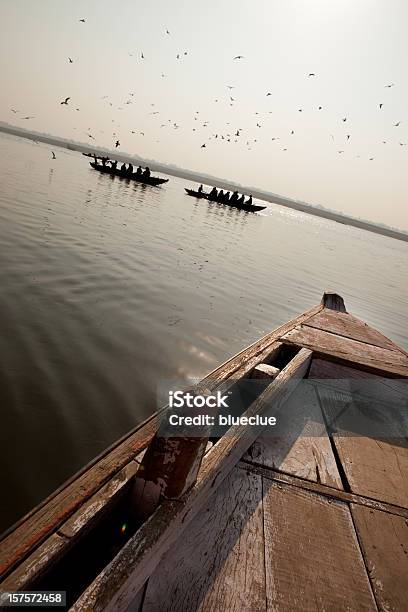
{"type": "Point", "coordinates": [354, 380]}
{"type": "Point", "coordinates": [30, 533]}
{"type": "Point", "coordinates": [98, 504]}
{"type": "Point", "coordinates": [219, 564]}
{"type": "Point", "coordinates": [137, 560]}
{"type": "Point", "coordinates": [34, 567]}
{"type": "Point", "coordinates": [384, 541]}
{"type": "Point", "coordinates": [347, 325]}
{"type": "Point", "coordinates": [348, 350]}
{"type": "Point", "coordinates": [298, 444]}
{"type": "Point", "coordinates": [320, 489]}
{"type": "Point", "coordinates": [312, 557]}
{"type": "Point", "coordinates": [372, 444]}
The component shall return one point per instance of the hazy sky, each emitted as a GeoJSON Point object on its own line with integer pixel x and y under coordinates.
{"type": "Point", "coordinates": [354, 47]}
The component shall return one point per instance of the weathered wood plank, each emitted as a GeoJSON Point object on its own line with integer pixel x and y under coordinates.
{"type": "Point", "coordinates": [354, 380]}
{"type": "Point", "coordinates": [312, 558]}
{"type": "Point", "coordinates": [81, 520]}
{"type": "Point", "coordinates": [219, 563]}
{"type": "Point", "coordinates": [344, 324]}
{"type": "Point", "coordinates": [137, 560]}
{"type": "Point", "coordinates": [34, 567]}
{"type": "Point", "coordinates": [348, 350]}
{"type": "Point", "coordinates": [298, 444]}
{"type": "Point", "coordinates": [371, 441]}
{"type": "Point", "coordinates": [384, 542]}
{"type": "Point", "coordinates": [30, 533]}
{"type": "Point", "coordinates": [330, 492]}
{"type": "Point", "coordinates": [264, 371]}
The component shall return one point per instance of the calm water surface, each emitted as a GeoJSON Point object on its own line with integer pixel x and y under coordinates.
{"type": "Point", "coordinates": [107, 287]}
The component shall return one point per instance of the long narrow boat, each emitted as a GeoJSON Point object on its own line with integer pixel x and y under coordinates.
{"type": "Point", "coordinates": [313, 517]}
{"type": "Point", "coordinates": [151, 180]}
{"type": "Point", "coordinates": [206, 196]}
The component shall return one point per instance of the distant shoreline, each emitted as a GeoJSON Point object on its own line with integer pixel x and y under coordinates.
{"type": "Point", "coordinates": [210, 180]}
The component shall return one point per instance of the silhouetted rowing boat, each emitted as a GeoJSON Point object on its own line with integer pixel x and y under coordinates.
{"type": "Point", "coordinates": [151, 180]}
{"type": "Point", "coordinates": [206, 196]}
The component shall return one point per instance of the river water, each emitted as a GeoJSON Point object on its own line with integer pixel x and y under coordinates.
{"type": "Point", "coordinates": [109, 287]}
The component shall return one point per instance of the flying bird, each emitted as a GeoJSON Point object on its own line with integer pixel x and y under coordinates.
{"type": "Point", "coordinates": [391, 85]}
{"type": "Point", "coordinates": [344, 119]}
{"type": "Point", "coordinates": [82, 20]}
{"type": "Point", "coordinates": [53, 155]}
{"type": "Point", "coordinates": [348, 136]}
{"type": "Point", "coordinates": [143, 56]}
{"type": "Point", "coordinates": [231, 86]}
{"type": "Point", "coordinates": [293, 131]}
{"type": "Point", "coordinates": [167, 32]}
{"type": "Point", "coordinates": [238, 57]}
{"type": "Point", "coordinates": [117, 144]}
{"type": "Point", "coordinates": [13, 110]}
{"type": "Point", "coordinates": [340, 151]}
{"type": "Point", "coordinates": [66, 101]}
{"type": "Point", "coordinates": [71, 61]}
{"type": "Point", "coordinates": [300, 110]}
{"type": "Point", "coordinates": [380, 105]}
{"type": "Point", "coordinates": [203, 146]}
{"type": "Point", "coordinates": [320, 107]}
{"type": "Point", "coordinates": [268, 94]}
{"type": "Point", "coordinates": [311, 74]}
{"type": "Point", "coordinates": [30, 117]}
{"type": "Point", "coordinates": [397, 124]}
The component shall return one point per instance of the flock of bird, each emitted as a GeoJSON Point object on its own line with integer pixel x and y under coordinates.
{"type": "Point", "coordinates": [230, 135]}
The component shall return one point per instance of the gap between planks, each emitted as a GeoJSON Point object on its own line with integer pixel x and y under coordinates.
{"type": "Point", "coordinates": [324, 490]}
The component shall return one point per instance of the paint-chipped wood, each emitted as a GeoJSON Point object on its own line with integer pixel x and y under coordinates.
{"type": "Point", "coordinates": [137, 560]}
{"type": "Point", "coordinates": [373, 357]}
{"type": "Point", "coordinates": [330, 492]}
{"type": "Point", "coordinates": [333, 301]}
{"type": "Point", "coordinates": [371, 441]}
{"type": "Point", "coordinates": [36, 564]}
{"type": "Point", "coordinates": [30, 533]}
{"type": "Point", "coordinates": [298, 444]}
{"type": "Point", "coordinates": [98, 504]}
{"type": "Point", "coordinates": [344, 324]}
{"type": "Point", "coordinates": [384, 542]}
{"type": "Point", "coordinates": [312, 557]}
{"type": "Point", "coordinates": [219, 563]}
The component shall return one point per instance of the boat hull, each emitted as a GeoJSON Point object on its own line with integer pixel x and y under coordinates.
{"type": "Point", "coordinates": [152, 180]}
{"type": "Point", "coordinates": [206, 196]}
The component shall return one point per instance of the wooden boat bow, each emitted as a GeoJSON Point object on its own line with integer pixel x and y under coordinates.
{"type": "Point", "coordinates": [289, 516]}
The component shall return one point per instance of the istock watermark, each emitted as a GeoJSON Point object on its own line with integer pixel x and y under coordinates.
{"type": "Point", "coordinates": [180, 399]}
